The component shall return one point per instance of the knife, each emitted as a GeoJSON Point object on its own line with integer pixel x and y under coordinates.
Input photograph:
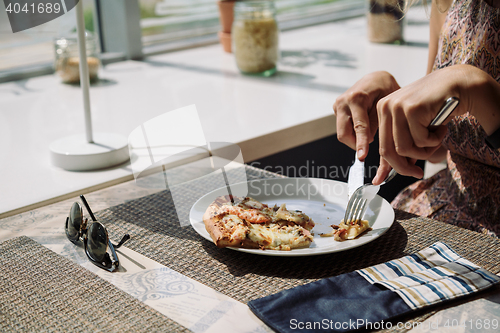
{"type": "Point", "coordinates": [356, 176]}
{"type": "Point", "coordinates": [357, 170]}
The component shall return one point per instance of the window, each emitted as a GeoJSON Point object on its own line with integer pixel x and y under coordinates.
{"type": "Point", "coordinates": [170, 20]}
{"type": "Point", "coordinates": [131, 28]}
{"type": "Point", "coordinates": [33, 49]}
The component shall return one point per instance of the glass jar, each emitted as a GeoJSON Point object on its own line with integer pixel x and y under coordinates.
{"type": "Point", "coordinates": [255, 37]}
{"type": "Point", "coordinates": [385, 21]}
{"type": "Point", "coordinates": [67, 59]}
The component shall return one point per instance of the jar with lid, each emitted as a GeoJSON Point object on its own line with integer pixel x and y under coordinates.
{"type": "Point", "coordinates": [255, 37]}
{"type": "Point", "coordinates": [386, 21]}
{"type": "Point", "coordinates": [67, 60]}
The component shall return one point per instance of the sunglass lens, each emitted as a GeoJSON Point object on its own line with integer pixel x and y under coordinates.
{"type": "Point", "coordinates": [97, 243]}
{"type": "Point", "coordinates": [74, 222]}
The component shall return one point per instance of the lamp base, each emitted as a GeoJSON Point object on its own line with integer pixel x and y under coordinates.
{"type": "Point", "coordinates": [74, 153]}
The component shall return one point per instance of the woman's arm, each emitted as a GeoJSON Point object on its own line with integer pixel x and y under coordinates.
{"type": "Point", "coordinates": [481, 96]}
{"type": "Point", "coordinates": [438, 16]}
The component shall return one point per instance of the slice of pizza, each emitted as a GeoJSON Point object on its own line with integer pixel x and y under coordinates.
{"type": "Point", "coordinates": [350, 230]}
{"type": "Point", "coordinates": [248, 223]}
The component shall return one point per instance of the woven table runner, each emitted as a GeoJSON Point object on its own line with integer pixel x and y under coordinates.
{"type": "Point", "coordinates": [154, 227]}
{"type": "Point", "coordinates": [43, 291]}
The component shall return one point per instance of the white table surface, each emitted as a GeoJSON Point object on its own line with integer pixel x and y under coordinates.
{"type": "Point", "coordinates": [262, 115]}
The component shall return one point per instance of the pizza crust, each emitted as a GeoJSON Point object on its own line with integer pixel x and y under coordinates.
{"type": "Point", "coordinates": [213, 223]}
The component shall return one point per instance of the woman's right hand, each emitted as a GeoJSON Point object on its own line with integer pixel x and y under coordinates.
{"type": "Point", "coordinates": [356, 111]}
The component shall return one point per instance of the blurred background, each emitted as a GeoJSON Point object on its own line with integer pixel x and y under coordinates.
{"type": "Point", "coordinates": [163, 24]}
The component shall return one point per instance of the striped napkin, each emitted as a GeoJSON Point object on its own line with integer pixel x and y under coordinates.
{"type": "Point", "coordinates": [430, 276]}
{"type": "Point", "coordinates": [374, 296]}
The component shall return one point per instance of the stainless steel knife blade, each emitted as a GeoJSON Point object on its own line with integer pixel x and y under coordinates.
{"type": "Point", "coordinates": [356, 175]}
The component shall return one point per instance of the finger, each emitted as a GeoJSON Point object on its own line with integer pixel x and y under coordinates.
{"type": "Point", "coordinates": [382, 172]}
{"type": "Point", "coordinates": [413, 161]}
{"type": "Point", "coordinates": [404, 166]}
{"type": "Point", "coordinates": [345, 130]}
{"type": "Point", "coordinates": [387, 148]}
{"type": "Point", "coordinates": [361, 126]}
{"type": "Point", "coordinates": [423, 137]}
{"type": "Point", "coordinates": [440, 132]}
{"type": "Point", "coordinates": [403, 139]}
{"type": "Point", "coordinates": [373, 122]}
{"type": "Point", "coordinates": [417, 171]}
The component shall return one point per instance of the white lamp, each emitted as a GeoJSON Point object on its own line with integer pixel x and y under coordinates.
{"type": "Point", "coordinates": [88, 152]}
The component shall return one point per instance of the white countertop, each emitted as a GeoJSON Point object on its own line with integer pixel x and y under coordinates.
{"type": "Point", "coordinates": [262, 115]}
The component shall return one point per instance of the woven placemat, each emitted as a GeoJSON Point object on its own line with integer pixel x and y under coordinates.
{"type": "Point", "coordinates": [154, 226]}
{"type": "Point", "coordinates": [41, 291]}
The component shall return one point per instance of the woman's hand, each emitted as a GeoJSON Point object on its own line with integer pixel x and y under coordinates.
{"type": "Point", "coordinates": [404, 117]}
{"type": "Point", "coordinates": [357, 120]}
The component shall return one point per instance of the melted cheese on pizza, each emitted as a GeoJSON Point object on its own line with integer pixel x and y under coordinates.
{"type": "Point", "coordinates": [355, 229]}
{"type": "Point", "coordinates": [294, 216]}
{"type": "Point", "coordinates": [236, 227]}
{"type": "Point", "coordinates": [279, 237]}
{"type": "Point", "coordinates": [351, 230]}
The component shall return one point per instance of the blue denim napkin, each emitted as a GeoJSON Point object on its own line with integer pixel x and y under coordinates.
{"type": "Point", "coordinates": [370, 297]}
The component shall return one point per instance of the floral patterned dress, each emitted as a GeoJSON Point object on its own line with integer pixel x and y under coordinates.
{"type": "Point", "coordinates": [467, 192]}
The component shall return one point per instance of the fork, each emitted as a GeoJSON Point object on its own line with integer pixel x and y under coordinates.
{"type": "Point", "coordinates": [356, 207]}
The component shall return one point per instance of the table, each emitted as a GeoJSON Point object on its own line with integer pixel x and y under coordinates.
{"type": "Point", "coordinates": [186, 278]}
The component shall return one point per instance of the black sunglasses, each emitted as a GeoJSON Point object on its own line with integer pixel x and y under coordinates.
{"type": "Point", "coordinates": [95, 237]}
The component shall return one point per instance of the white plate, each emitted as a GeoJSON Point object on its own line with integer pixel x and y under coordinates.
{"type": "Point", "coordinates": [324, 201]}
